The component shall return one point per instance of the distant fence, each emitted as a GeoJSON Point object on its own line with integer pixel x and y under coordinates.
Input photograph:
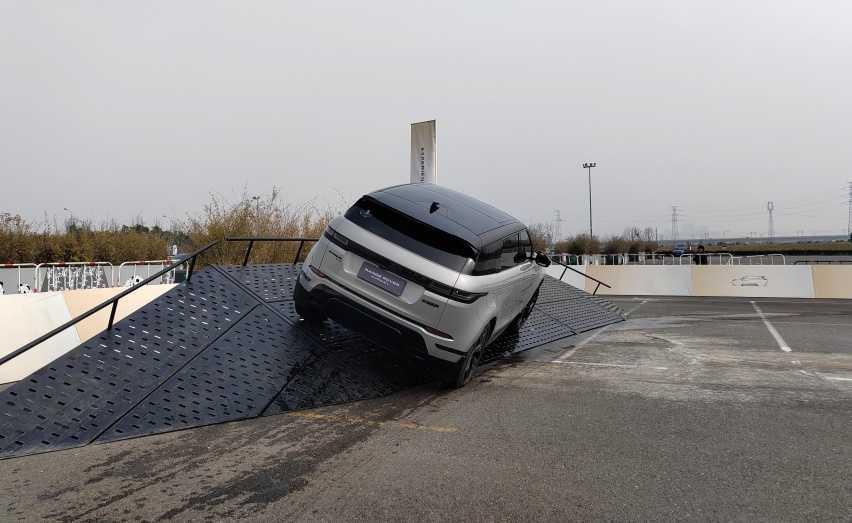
{"type": "Point", "coordinates": [758, 281]}
{"type": "Point", "coordinates": [25, 278]}
{"type": "Point", "coordinates": [694, 258]}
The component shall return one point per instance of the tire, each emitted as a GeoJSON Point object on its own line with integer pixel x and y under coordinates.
{"type": "Point", "coordinates": [307, 311]}
{"type": "Point", "coordinates": [459, 374]}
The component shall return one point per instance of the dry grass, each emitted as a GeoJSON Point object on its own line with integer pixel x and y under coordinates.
{"type": "Point", "coordinates": [21, 242]}
{"type": "Point", "coordinates": [265, 217]}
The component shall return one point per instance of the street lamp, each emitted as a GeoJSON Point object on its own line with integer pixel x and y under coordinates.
{"type": "Point", "coordinates": [257, 212]}
{"type": "Point", "coordinates": [70, 218]}
{"type": "Point", "coordinates": [589, 166]}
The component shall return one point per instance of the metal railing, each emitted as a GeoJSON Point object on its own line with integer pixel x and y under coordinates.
{"type": "Point", "coordinates": [252, 239]}
{"type": "Point", "coordinates": [113, 302]}
{"type": "Point", "coordinates": [568, 267]}
{"type": "Point", "coordinates": [60, 276]}
{"type": "Point", "coordinates": [21, 267]}
{"type": "Point", "coordinates": [707, 256]}
{"type": "Point", "coordinates": [167, 278]}
{"type": "Point", "coordinates": [760, 259]}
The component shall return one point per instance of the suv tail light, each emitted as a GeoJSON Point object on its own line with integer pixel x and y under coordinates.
{"type": "Point", "coordinates": [466, 297]}
{"type": "Point", "coordinates": [336, 238]}
{"type": "Point", "coordinates": [453, 294]}
{"type": "Point", "coordinates": [317, 271]}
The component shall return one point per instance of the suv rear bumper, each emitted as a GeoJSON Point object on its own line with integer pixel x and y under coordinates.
{"type": "Point", "coordinates": [382, 327]}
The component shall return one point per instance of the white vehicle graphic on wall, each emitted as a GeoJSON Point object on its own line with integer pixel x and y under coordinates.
{"type": "Point", "coordinates": [750, 281]}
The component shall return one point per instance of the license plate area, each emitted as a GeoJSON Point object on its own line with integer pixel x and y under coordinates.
{"type": "Point", "coordinates": [385, 280]}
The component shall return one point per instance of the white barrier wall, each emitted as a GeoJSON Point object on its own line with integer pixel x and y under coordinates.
{"type": "Point", "coordinates": [25, 317]}
{"type": "Point", "coordinates": [675, 280]}
{"type": "Point", "coordinates": [570, 277]}
{"type": "Point", "coordinates": [832, 281]}
{"type": "Point", "coordinates": [748, 281]}
{"type": "Point", "coordinates": [756, 281]}
{"type": "Point", "coordinates": [80, 301]}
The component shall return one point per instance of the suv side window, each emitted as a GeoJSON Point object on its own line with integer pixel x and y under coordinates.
{"type": "Point", "coordinates": [524, 247]}
{"type": "Point", "coordinates": [509, 254]}
{"type": "Point", "coordinates": [503, 254]}
{"type": "Point", "coordinates": [488, 261]}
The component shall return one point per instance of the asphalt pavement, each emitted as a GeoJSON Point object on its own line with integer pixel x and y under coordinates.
{"type": "Point", "coordinates": [694, 408]}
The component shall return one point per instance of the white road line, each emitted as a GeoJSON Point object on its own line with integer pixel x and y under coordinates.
{"type": "Point", "coordinates": [835, 378]}
{"type": "Point", "coordinates": [609, 365]}
{"type": "Point", "coordinates": [778, 339]}
{"type": "Point", "coordinates": [583, 343]}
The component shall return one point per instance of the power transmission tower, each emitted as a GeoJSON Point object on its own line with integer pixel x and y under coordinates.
{"type": "Point", "coordinates": [770, 206]}
{"type": "Point", "coordinates": [557, 226]}
{"type": "Point", "coordinates": [674, 223]}
{"type": "Point", "coordinates": [849, 225]}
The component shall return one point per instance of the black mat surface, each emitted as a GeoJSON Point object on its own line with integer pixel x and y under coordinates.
{"type": "Point", "coordinates": [230, 346]}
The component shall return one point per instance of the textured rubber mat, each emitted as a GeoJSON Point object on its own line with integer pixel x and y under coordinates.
{"type": "Point", "coordinates": [269, 282]}
{"type": "Point", "coordinates": [572, 307]}
{"type": "Point", "coordinates": [354, 372]}
{"type": "Point", "coordinates": [235, 378]}
{"type": "Point", "coordinates": [538, 329]}
{"type": "Point", "coordinates": [81, 394]}
{"type": "Point", "coordinates": [230, 346]}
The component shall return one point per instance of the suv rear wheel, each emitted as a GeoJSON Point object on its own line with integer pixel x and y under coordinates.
{"type": "Point", "coordinates": [459, 374]}
{"type": "Point", "coordinates": [308, 312]}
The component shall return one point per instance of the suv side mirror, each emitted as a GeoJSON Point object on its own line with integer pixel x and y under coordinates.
{"type": "Point", "coordinates": [542, 259]}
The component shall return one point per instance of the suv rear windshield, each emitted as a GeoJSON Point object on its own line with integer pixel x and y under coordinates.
{"type": "Point", "coordinates": [410, 234]}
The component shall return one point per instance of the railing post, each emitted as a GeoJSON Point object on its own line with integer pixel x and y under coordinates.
{"type": "Point", "coordinates": [112, 314]}
{"type": "Point", "coordinates": [563, 273]}
{"type": "Point", "coordinates": [598, 286]}
{"type": "Point", "coordinates": [298, 251]}
{"type": "Point", "coordinates": [248, 252]}
{"type": "Point", "coordinates": [191, 268]}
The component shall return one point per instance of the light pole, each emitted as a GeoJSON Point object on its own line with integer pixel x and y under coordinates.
{"type": "Point", "coordinates": [257, 212]}
{"type": "Point", "coordinates": [589, 165]}
{"type": "Point", "coordinates": [70, 218]}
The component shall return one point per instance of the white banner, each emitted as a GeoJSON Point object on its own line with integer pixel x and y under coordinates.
{"type": "Point", "coordinates": [424, 153]}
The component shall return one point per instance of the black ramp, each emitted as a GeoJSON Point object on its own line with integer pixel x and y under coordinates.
{"type": "Point", "coordinates": [235, 378]}
{"type": "Point", "coordinates": [571, 306]}
{"type": "Point", "coordinates": [81, 394]}
{"type": "Point", "coordinates": [329, 333]}
{"type": "Point", "coordinates": [208, 352]}
{"type": "Point", "coordinates": [538, 329]}
{"type": "Point", "coordinates": [348, 373]}
{"type": "Point", "coordinates": [270, 282]}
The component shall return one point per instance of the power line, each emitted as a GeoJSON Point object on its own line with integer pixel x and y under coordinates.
{"type": "Point", "coordinates": [770, 206]}
{"type": "Point", "coordinates": [557, 226]}
{"type": "Point", "coordinates": [849, 224]}
{"type": "Point", "coordinates": [674, 223]}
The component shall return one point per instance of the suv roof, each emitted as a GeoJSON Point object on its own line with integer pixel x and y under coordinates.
{"type": "Point", "coordinates": [455, 213]}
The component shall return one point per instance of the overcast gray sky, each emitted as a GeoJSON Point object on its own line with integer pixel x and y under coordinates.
{"type": "Point", "coordinates": [115, 109]}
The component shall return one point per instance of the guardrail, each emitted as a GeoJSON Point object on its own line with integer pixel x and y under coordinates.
{"type": "Point", "coordinates": [823, 262]}
{"type": "Point", "coordinates": [139, 263]}
{"type": "Point", "coordinates": [70, 275]}
{"type": "Point", "coordinates": [20, 267]}
{"type": "Point", "coordinates": [761, 259]}
{"type": "Point", "coordinates": [190, 258]}
{"type": "Point", "coordinates": [707, 256]}
{"type": "Point", "coordinates": [568, 267]}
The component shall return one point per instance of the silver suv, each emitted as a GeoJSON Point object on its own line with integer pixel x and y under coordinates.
{"type": "Point", "coordinates": [423, 268]}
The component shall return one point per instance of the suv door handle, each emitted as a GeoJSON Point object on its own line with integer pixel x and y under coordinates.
{"type": "Point", "coordinates": [527, 266]}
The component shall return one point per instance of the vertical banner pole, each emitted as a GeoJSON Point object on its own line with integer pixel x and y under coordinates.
{"type": "Point", "coordinates": [424, 152]}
